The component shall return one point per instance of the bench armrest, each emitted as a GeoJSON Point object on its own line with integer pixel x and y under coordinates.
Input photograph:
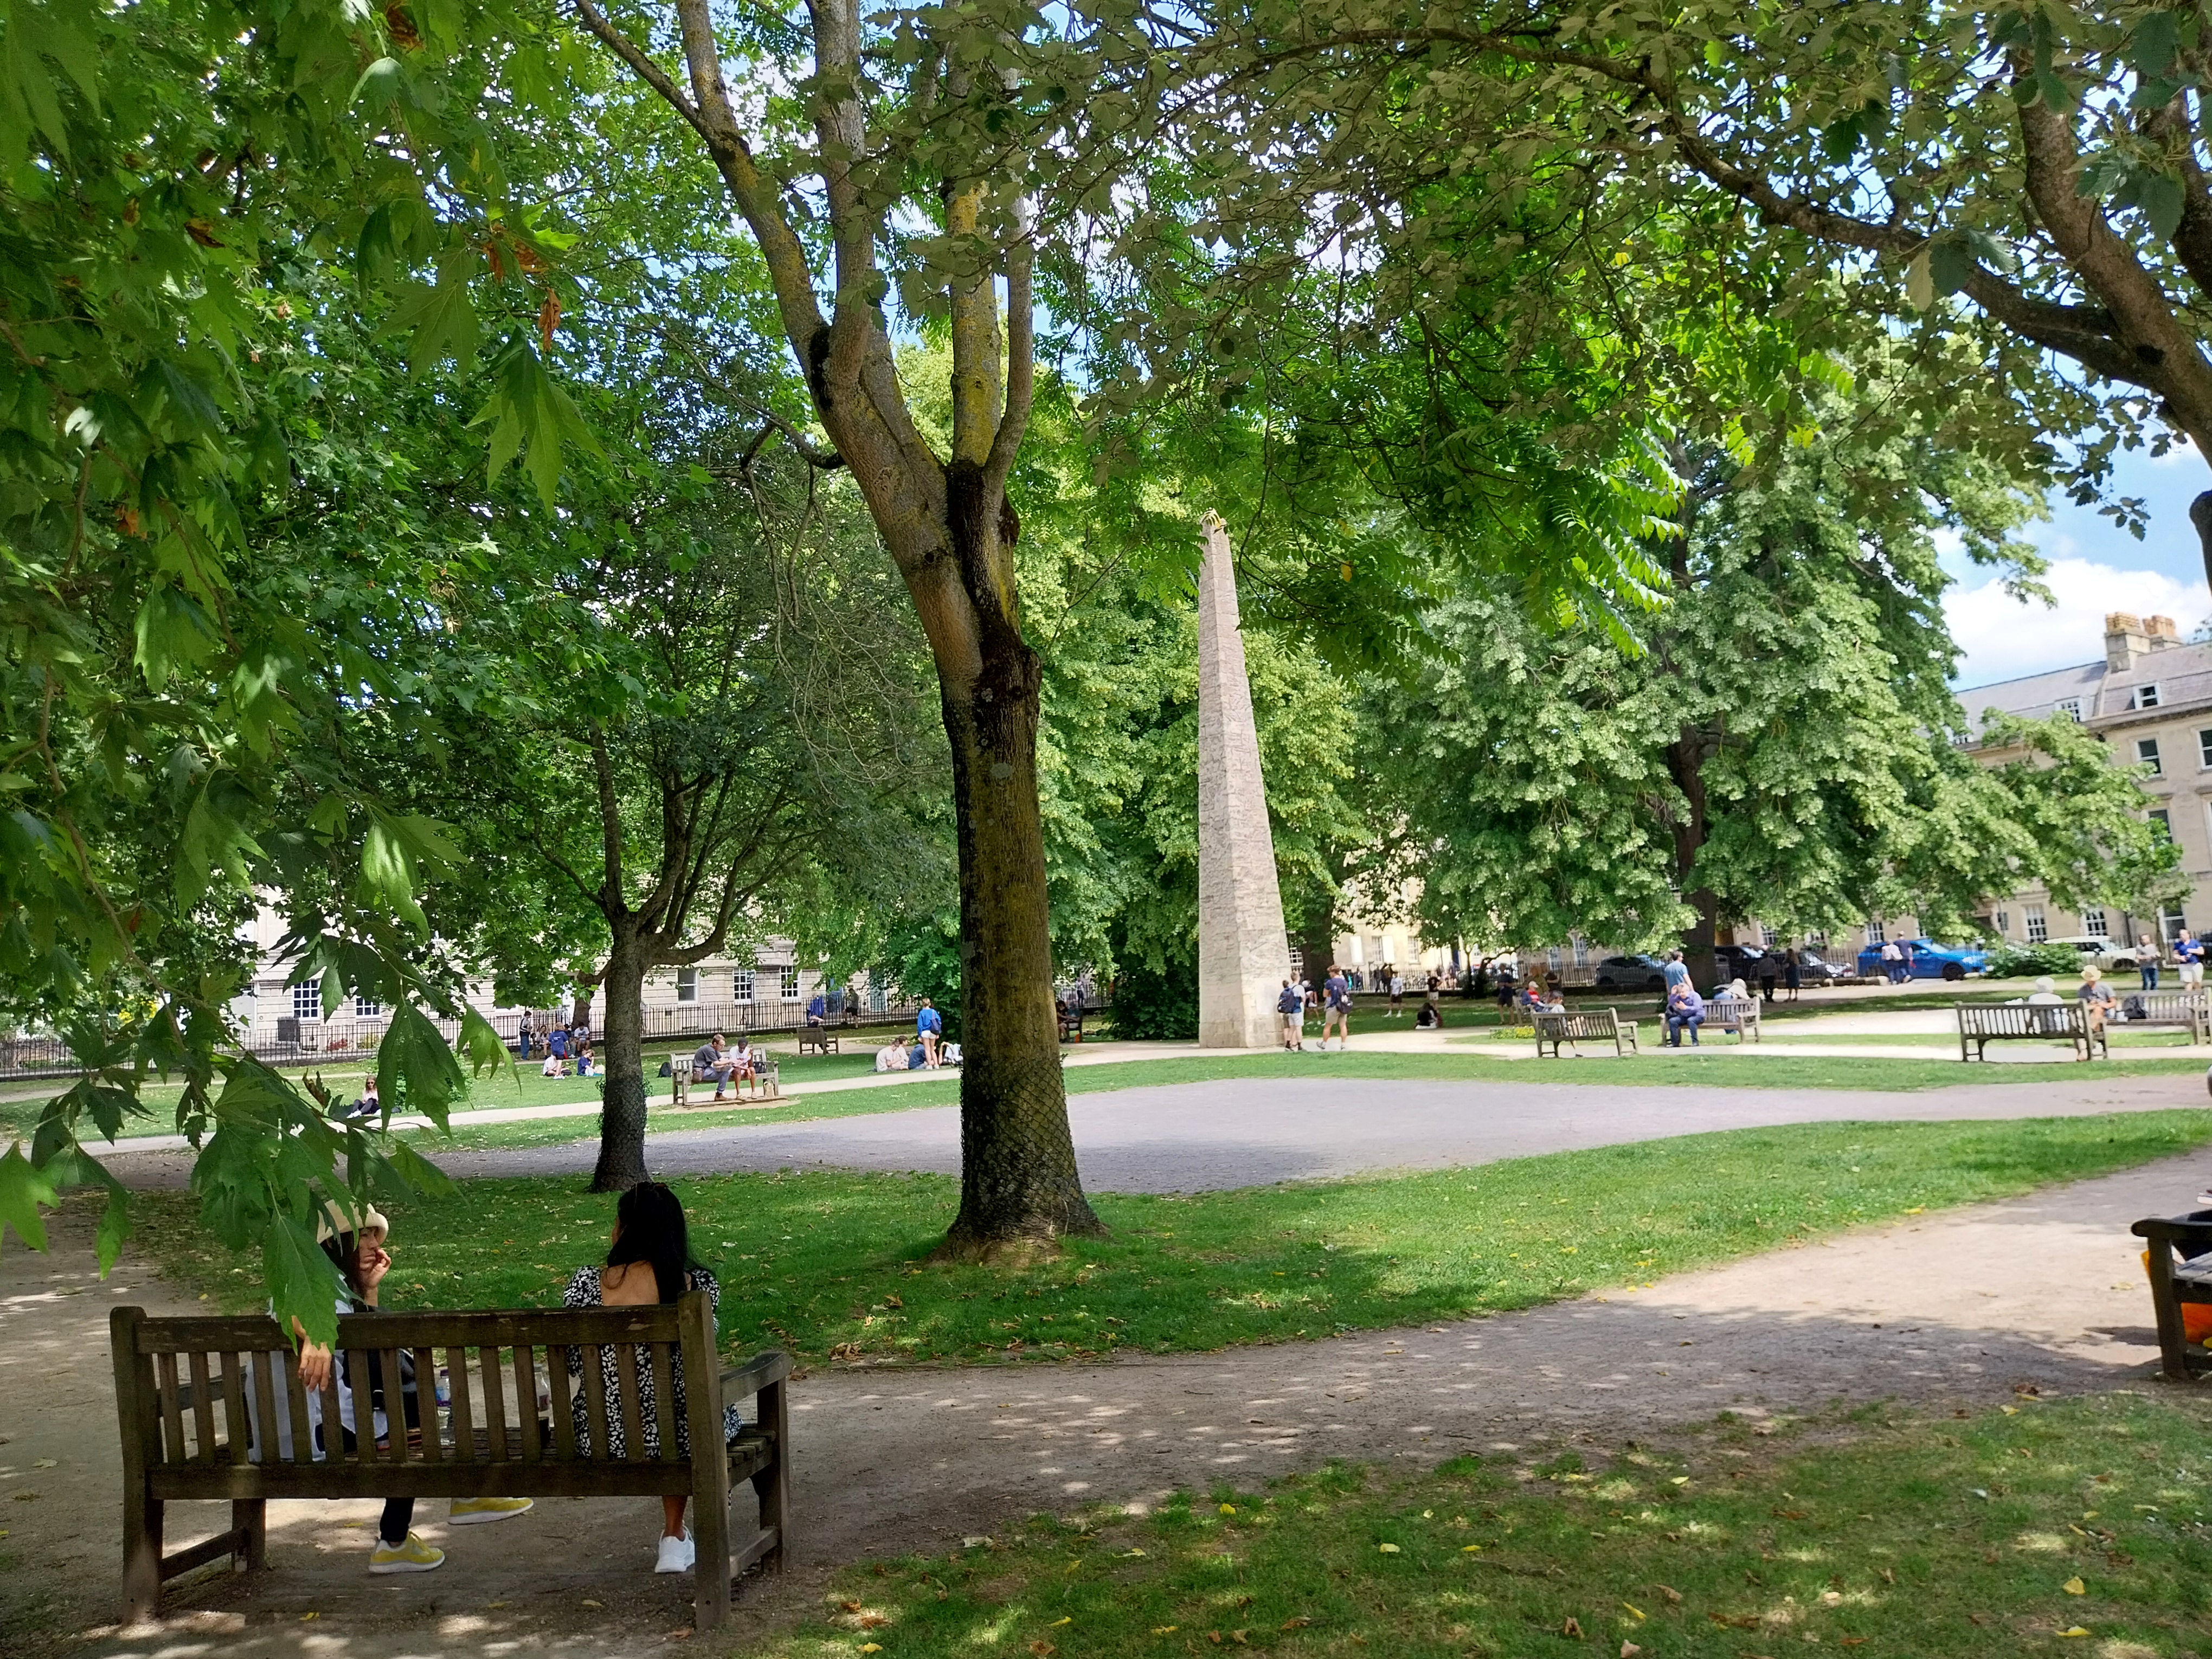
{"type": "Point", "coordinates": [2176, 1230]}
{"type": "Point", "coordinates": [739, 1382]}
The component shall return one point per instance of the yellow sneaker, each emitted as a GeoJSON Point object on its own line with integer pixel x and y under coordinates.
{"type": "Point", "coordinates": [477, 1511]}
{"type": "Point", "coordinates": [413, 1555]}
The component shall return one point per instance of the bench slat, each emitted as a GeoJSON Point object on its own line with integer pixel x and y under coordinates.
{"type": "Point", "coordinates": [525, 1400]}
{"type": "Point", "coordinates": [633, 1425]}
{"type": "Point", "coordinates": [463, 1408]}
{"type": "Point", "coordinates": [203, 1408]}
{"type": "Point", "coordinates": [597, 1378]}
{"type": "Point", "coordinates": [296, 1404]}
{"type": "Point", "coordinates": [564, 1420]}
{"type": "Point", "coordinates": [663, 1401]}
{"type": "Point", "coordinates": [233, 1409]}
{"type": "Point", "coordinates": [495, 1388]}
{"type": "Point", "coordinates": [652, 1321]}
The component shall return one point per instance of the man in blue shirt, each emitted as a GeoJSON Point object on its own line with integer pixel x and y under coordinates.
{"type": "Point", "coordinates": [1676, 972]}
{"type": "Point", "coordinates": [2189, 954]}
{"type": "Point", "coordinates": [1292, 1006]}
{"type": "Point", "coordinates": [817, 1009]}
{"type": "Point", "coordinates": [929, 1026]}
{"type": "Point", "coordinates": [1336, 1009]}
{"type": "Point", "coordinates": [1686, 1012]}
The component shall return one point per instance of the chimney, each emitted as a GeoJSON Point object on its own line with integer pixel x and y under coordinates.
{"type": "Point", "coordinates": [2124, 641]}
{"type": "Point", "coordinates": [2161, 631]}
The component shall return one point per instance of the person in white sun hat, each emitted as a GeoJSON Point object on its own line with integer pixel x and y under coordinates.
{"type": "Point", "coordinates": [355, 1244]}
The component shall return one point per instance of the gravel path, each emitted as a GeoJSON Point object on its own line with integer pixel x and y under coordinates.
{"type": "Point", "coordinates": [1191, 1137]}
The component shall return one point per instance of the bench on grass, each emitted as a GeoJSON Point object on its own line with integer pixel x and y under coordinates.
{"type": "Point", "coordinates": [1737, 1014]}
{"type": "Point", "coordinates": [2180, 1270]}
{"type": "Point", "coordinates": [507, 1433]}
{"type": "Point", "coordinates": [817, 1039]}
{"type": "Point", "coordinates": [680, 1076]}
{"type": "Point", "coordinates": [1582, 1025]}
{"type": "Point", "coordinates": [2182, 1008]}
{"type": "Point", "coordinates": [1071, 1024]}
{"type": "Point", "coordinates": [1981, 1024]}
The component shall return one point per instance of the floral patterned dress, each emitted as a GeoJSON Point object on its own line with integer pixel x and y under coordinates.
{"type": "Point", "coordinates": [583, 1291]}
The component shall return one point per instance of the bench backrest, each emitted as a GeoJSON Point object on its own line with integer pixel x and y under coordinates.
{"type": "Point", "coordinates": [2171, 1007]}
{"type": "Point", "coordinates": [1730, 1010]}
{"type": "Point", "coordinates": [195, 1390]}
{"type": "Point", "coordinates": [1573, 1027]}
{"type": "Point", "coordinates": [2021, 1019]}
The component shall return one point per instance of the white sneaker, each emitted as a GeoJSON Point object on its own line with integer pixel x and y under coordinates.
{"type": "Point", "coordinates": [676, 1555]}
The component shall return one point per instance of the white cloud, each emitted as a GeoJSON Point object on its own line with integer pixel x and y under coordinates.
{"type": "Point", "coordinates": [2000, 638]}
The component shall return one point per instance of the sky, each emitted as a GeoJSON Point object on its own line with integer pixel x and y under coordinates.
{"type": "Point", "coordinates": [2095, 566]}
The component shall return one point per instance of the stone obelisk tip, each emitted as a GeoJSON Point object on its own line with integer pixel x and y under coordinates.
{"type": "Point", "coordinates": [1243, 954]}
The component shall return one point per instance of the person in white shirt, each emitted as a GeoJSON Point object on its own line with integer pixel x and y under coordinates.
{"type": "Point", "coordinates": [1397, 993]}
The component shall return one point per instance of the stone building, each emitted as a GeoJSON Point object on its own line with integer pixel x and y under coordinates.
{"type": "Point", "coordinates": [2150, 699]}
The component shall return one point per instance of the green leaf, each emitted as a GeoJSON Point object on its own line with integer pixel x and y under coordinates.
{"type": "Point", "coordinates": [114, 1228]}
{"type": "Point", "coordinates": [484, 1046]}
{"type": "Point", "coordinates": [2159, 195]}
{"type": "Point", "coordinates": [1919, 285]}
{"type": "Point", "coordinates": [414, 1066]}
{"type": "Point", "coordinates": [1949, 264]}
{"type": "Point", "coordinates": [22, 1191]}
{"type": "Point", "coordinates": [303, 1284]}
{"type": "Point", "coordinates": [2151, 47]}
{"type": "Point", "coordinates": [379, 84]}
{"type": "Point", "coordinates": [418, 1172]}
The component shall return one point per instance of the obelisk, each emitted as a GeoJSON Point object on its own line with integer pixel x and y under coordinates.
{"type": "Point", "coordinates": [1243, 955]}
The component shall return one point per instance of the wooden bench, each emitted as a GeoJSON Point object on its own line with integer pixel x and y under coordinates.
{"type": "Point", "coordinates": [2175, 1279]}
{"type": "Point", "coordinates": [817, 1039]}
{"type": "Point", "coordinates": [1981, 1024]}
{"type": "Point", "coordinates": [1582, 1025]}
{"type": "Point", "coordinates": [680, 1077]}
{"type": "Point", "coordinates": [171, 1375]}
{"type": "Point", "coordinates": [2182, 1008]}
{"type": "Point", "coordinates": [1737, 1014]}
{"type": "Point", "coordinates": [1071, 1024]}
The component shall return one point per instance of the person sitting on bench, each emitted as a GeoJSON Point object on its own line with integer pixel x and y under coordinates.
{"type": "Point", "coordinates": [817, 1010]}
{"type": "Point", "coordinates": [648, 1260]}
{"type": "Point", "coordinates": [709, 1060]}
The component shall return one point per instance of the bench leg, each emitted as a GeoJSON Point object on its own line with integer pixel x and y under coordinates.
{"type": "Point", "coordinates": [141, 1554]}
{"type": "Point", "coordinates": [2166, 1308]}
{"type": "Point", "coordinates": [773, 1484]}
{"type": "Point", "coordinates": [251, 1517]}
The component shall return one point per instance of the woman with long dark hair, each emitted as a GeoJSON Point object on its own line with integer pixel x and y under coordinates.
{"type": "Point", "coordinates": [648, 1260]}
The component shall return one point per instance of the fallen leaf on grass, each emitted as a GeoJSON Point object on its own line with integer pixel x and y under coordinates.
{"type": "Point", "coordinates": [684, 1635]}
{"type": "Point", "coordinates": [1163, 1630]}
{"type": "Point", "coordinates": [1299, 1623]}
{"type": "Point", "coordinates": [592, 1605]}
{"type": "Point", "coordinates": [1628, 1651]}
{"type": "Point", "coordinates": [1229, 1509]}
{"type": "Point", "coordinates": [1674, 1596]}
{"type": "Point", "coordinates": [1387, 1549]}
{"type": "Point", "coordinates": [2075, 1587]}
{"type": "Point", "coordinates": [866, 1647]}
{"type": "Point", "coordinates": [1468, 1549]}
{"type": "Point", "coordinates": [1634, 1608]}
{"type": "Point", "coordinates": [307, 1616]}
{"type": "Point", "coordinates": [1131, 1555]}
{"type": "Point", "coordinates": [1040, 1648]}
{"type": "Point", "coordinates": [1725, 1622]}
{"type": "Point", "coordinates": [1571, 1628]}
{"type": "Point", "coordinates": [2076, 1631]}
{"type": "Point", "coordinates": [1852, 1641]}
{"type": "Point", "coordinates": [1057, 1623]}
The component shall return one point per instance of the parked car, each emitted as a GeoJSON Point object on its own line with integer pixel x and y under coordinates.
{"type": "Point", "coordinates": [1636, 973]}
{"type": "Point", "coordinates": [2106, 953]}
{"type": "Point", "coordinates": [1925, 959]}
{"type": "Point", "coordinates": [1741, 961]}
{"type": "Point", "coordinates": [1814, 968]}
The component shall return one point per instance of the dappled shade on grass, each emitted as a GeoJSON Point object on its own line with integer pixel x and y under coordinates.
{"type": "Point", "coordinates": [1881, 1534]}
{"type": "Point", "coordinates": [832, 1263]}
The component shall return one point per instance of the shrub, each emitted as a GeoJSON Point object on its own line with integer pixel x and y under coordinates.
{"type": "Point", "coordinates": [2027, 961]}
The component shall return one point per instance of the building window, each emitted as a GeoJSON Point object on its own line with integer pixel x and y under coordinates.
{"type": "Point", "coordinates": [1582, 951]}
{"type": "Point", "coordinates": [2038, 929]}
{"type": "Point", "coordinates": [2146, 753]}
{"type": "Point", "coordinates": [307, 1001]}
{"type": "Point", "coordinates": [742, 988]}
{"type": "Point", "coordinates": [1875, 933]}
{"type": "Point", "coordinates": [2004, 924]}
{"type": "Point", "coordinates": [787, 983]}
{"type": "Point", "coordinates": [2146, 696]}
{"type": "Point", "coordinates": [2164, 820]}
{"type": "Point", "coordinates": [687, 985]}
{"type": "Point", "coordinates": [2171, 921]}
{"type": "Point", "coordinates": [2070, 707]}
{"type": "Point", "coordinates": [1818, 941]}
{"type": "Point", "coordinates": [1767, 937]}
{"type": "Point", "coordinates": [2095, 925]}
{"type": "Point", "coordinates": [1552, 957]}
{"type": "Point", "coordinates": [366, 1008]}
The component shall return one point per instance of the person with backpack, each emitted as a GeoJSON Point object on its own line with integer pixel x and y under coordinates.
{"type": "Point", "coordinates": [1336, 1009]}
{"type": "Point", "coordinates": [1292, 1007]}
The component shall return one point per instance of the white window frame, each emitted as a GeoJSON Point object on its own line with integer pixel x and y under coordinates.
{"type": "Point", "coordinates": [787, 983]}
{"type": "Point", "coordinates": [741, 985]}
{"type": "Point", "coordinates": [1582, 951]}
{"type": "Point", "coordinates": [366, 1007]}
{"type": "Point", "coordinates": [687, 985]}
{"type": "Point", "coordinates": [2164, 819]}
{"type": "Point", "coordinates": [2003, 919]}
{"type": "Point", "coordinates": [307, 1000]}
{"type": "Point", "coordinates": [1876, 933]}
{"type": "Point", "coordinates": [2144, 697]}
{"type": "Point", "coordinates": [2095, 924]}
{"type": "Point", "coordinates": [2070, 707]}
{"type": "Point", "coordinates": [2034, 923]}
{"type": "Point", "coordinates": [2147, 755]}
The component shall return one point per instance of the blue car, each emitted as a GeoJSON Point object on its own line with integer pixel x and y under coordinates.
{"type": "Point", "coordinates": [1925, 959]}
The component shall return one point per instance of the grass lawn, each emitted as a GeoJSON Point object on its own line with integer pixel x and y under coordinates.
{"type": "Point", "coordinates": [831, 1264]}
{"type": "Point", "coordinates": [2076, 1526]}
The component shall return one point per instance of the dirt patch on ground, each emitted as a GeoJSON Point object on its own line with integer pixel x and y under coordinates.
{"type": "Point", "coordinates": [2044, 1291]}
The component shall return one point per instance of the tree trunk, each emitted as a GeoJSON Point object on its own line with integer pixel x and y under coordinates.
{"type": "Point", "coordinates": [1018, 1177]}
{"type": "Point", "coordinates": [1686, 763]}
{"type": "Point", "coordinates": [1316, 944]}
{"type": "Point", "coordinates": [622, 1114]}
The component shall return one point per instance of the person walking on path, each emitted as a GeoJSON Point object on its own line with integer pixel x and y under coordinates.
{"type": "Point", "coordinates": [1768, 970]}
{"type": "Point", "coordinates": [1686, 1012]}
{"type": "Point", "coordinates": [2147, 962]}
{"type": "Point", "coordinates": [1292, 1007]}
{"type": "Point", "coordinates": [1397, 993]}
{"type": "Point", "coordinates": [1676, 972]}
{"type": "Point", "coordinates": [1791, 977]}
{"type": "Point", "coordinates": [1893, 962]}
{"type": "Point", "coordinates": [929, 1028]}
{"type": "Point", "coordinates": [2189, 957]}
{"type": "Point", "coordinates": [1336, 1009]}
